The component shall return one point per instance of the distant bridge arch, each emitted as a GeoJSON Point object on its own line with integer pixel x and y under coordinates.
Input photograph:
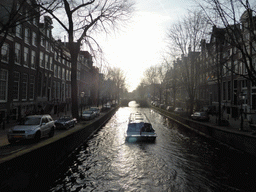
{"type": "Point", "coordinates": [141, 102]}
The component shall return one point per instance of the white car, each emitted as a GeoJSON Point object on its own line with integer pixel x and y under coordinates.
{"type": "Point", "coordinates": [32, 127]}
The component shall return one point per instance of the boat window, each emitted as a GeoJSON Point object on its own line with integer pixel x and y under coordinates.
{"type": "Point", "coordinates": [135, 127]}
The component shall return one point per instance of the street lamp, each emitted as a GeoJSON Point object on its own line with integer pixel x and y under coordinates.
{"type": "Point", "coordinates": [82, 96]}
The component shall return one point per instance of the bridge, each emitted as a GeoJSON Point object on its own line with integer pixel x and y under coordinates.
{"type": "Point", "coordinates": [141, 102]}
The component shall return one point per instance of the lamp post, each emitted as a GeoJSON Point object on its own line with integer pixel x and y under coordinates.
{"type": "Point", "coordinates": [82, 96]}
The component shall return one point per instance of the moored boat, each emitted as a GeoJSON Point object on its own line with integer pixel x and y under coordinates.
{"type": "Point", "coordinates": [139, 128]}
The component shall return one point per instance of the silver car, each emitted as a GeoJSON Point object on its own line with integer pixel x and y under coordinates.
{"type": "Point", "coordinates": [32, 127]}
{"type": "Point", "coordinates": [88, 115]}
{"type": "Point", "coordinates": [96, 110]}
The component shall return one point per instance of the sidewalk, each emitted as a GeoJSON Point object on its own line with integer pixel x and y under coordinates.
{"type": "Point", "coordinates": [234, 124]}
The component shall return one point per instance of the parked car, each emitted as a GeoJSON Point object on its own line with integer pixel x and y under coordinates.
{"type": "Point", "coordinates": [201, 116]}
{"type": "Point", "coordinates": [88, 115]}
{"type": "Point", "coordinates": [96, 110]}
{"type": "Point", "coordinates": [178, 110]}
{"type": "Point", "coordinates": [32, 127]}
{"type": "Point", "coordinates": [65, 122]}
{"type": "Point", "coordinates": [106, 107]}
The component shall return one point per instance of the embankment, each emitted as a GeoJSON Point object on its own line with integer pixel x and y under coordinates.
{"type": "Point", "coordinates": [21, 170]}
{"type": "Point", "coordinates": [243, 141]}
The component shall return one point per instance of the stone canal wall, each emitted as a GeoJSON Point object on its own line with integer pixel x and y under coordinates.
{"type": "Point", "coordinates": [20, 171]}
{"type": "Point", "coordinates": [242, 141]}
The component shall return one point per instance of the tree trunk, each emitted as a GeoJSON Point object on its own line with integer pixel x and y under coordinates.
{"type": "Point", "coordinates": [74, 51]}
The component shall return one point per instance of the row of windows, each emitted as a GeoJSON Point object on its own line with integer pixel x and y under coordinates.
{"type": "Point", "coordinates": [45, 60]}
{"type": "Point", "coordinates": [24, 87]}
{"type": "Point", "coordinates": [226, 88]}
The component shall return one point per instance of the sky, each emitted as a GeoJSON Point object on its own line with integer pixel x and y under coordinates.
{"type": "Point", "coordinates": [141, 43]}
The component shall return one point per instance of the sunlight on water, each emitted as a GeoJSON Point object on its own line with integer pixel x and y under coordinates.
{"type": "Point", "coordinates": [175, 162]}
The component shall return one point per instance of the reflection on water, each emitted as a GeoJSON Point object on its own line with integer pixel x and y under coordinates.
{"type": "Point", "coordinates": [177, 161]}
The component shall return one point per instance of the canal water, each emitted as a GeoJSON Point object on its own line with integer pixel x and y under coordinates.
{"type": "Point", "coordinates": [177, 161]}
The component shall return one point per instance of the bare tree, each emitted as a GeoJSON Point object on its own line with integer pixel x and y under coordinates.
{"type": "Point", "coordinates": [14, 13]}
{"type": "Point", "coordinates": [238, 20]}
{"type": "Point", "coordinates": [81, 20]}
{"type": "Point", "coordinates": [117, 76]}
{"type": "Point", "coordinates": [162, 70]}
{"type": "Point", "coordinates": [150, 78]}
{"type": "Point", "coordinates": [185, 38]}
{"type": "Point", "coordinates": [187, 33]}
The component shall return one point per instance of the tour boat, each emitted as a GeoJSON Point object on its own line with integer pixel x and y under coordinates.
{"type": "Point", "coordinates": [139, 128]}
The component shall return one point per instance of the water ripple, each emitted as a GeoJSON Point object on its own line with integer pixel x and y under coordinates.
{"type": "Point", "coordinates": [175, 162]}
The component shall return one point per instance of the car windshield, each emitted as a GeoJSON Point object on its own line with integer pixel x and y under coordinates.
{"type": "Point", "coordinates": [87, 112]}
{"type": "Point", "coordinates": [31, 121]}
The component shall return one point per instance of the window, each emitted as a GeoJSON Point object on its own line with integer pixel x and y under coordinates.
{"type": "Point", "coordinates": [26, 56]}
{"type": "Point", "coordinates": [235, 84]}
{"type": "Point", "coordinates": [50, 81]}
{"type": "Point", "coordinates": [59, 72]}
{"type": "Point", "coordinates": [42, 41]}
{"type": "Point", "coordinates": [33, 59]}
{"type": "Point", "coordinates": [19, 30]}
{"type": "Point", "coordinates": [27, 15]}
{"type": "Point", "coordinates": [17, 53]}
{"type": "Point", "coordinates": [51, 64]}
{"type": "Point", "coordinates": [55, 56]}
{"type": "Point", "coordinates": [35, 21]}
{"type": "Point", "coordinates": [48, 33]}
{"type": "Point", "coordinates": [16, 85]}
{"type": "Point", "coordinates": [34, 38]}
{"type": "Point", "coordinates": [41, 61]}
{"type": "Point", "coordinates": [47, 64]}
{"type": "Point", "coordinates": [31, 87]}
{"type": "Point", "coordinates": [55, 70]}
{"type": "Point", "coordinates": [27, 35]}
{"type": "Point", "coordinates": [67, 75]}
{"type": "Point", "coordinates": [240, 68]}
{"type": "Point", "coordinates": [5, 52]}
{"type": "Point", "coordinates": [78, 75]}
{"type": "Point", "coordinates": [244, 68]}
{"type": "Point", "coordinates": [24, 86]}
{"type": "Point", "coordinates": [244, 83]}
{"type": "Point", "coordinates": [3, 84]}
{"type": "Point", "coordinates": [63, 73]}
{"type": "Point", "coordinates": [47, 45]}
